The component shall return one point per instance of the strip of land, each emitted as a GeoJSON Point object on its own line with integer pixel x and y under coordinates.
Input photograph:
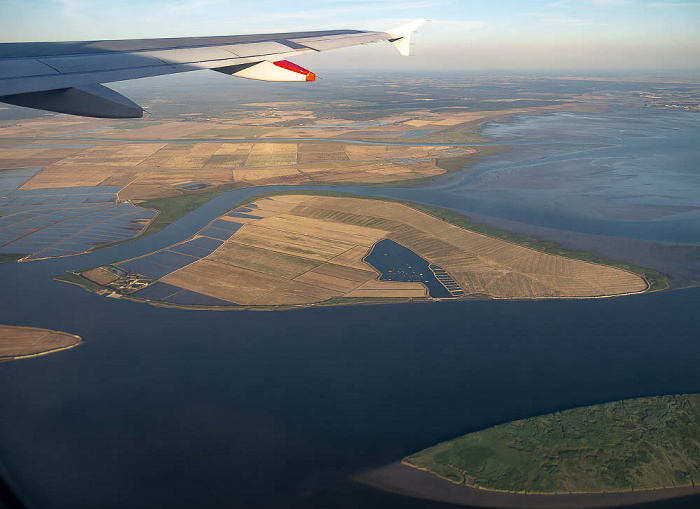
{"type": "Point", "coordinates": [261, 121]}
{"type": "Point", "coordinates": [142, 171]}
{"type": "Point", "coordinates": [25, 342]}
{"type": "Point", "coordinates": [152, 159]}
{"type": "Point", "coordinates": [405, 480]}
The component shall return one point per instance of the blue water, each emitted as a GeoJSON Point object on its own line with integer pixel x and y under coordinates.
{"type": "Point", "coordinates": [85, 131]}
{"type": "Point", "coordinates": [352, 125]}
{"type": "Point", "coordinates": [398, 263]}
{"type": "Point", "coordinates": [62, 222]}
{"type": "Point", "coordinates": [417, 133]}
{"type": "Point", "coordinates": [627, 173]}
{"type": "Point", "coordinates": [170, 408]}
{"type": "Point", "coordinates": [56, 145]}
{"type": "Point", "coordinates": [192, 186]}
{"type": "Point", "coordinates": [165, 407]}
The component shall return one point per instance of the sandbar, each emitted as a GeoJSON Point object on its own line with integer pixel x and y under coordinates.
{"type": "Point", "coordinates": [406, 480]}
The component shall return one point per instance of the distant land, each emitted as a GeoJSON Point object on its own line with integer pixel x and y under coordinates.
{"type": "Point", "coordinates": [602, 455]}
{"type": "Point", "coordinates": [70, 185]}
{"type": "Point", "coordinates": [299, 249]}
{"type": "Point", "coordinates": [26, 342]}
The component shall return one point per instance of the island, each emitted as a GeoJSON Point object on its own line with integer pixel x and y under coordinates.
{"type": "Point", "coordinates": [637, 444]}
{"type": "Point", "coordinates": [616, 453]}
{"type": "Point", "coordinates": [26, 342]}
{"type": "Point", "coordinates": [322, 248]}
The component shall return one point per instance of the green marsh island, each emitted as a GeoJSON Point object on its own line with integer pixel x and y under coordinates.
{"type": "Point", "coordinates": [630, 445]}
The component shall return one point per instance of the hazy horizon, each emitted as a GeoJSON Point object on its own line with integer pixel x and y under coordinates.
{"type": "Point", "coordinates": [463, 35]}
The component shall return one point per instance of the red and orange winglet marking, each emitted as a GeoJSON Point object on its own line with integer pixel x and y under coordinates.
{"type": "Point", "coordinates": [286, 64]}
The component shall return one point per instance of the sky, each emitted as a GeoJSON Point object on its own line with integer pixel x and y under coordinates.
{"type": "Point", "coordinates": [461, 35]}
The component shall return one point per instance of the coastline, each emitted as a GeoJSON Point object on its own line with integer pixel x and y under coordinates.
{"type": "Point", "coordinates": [406, 480]}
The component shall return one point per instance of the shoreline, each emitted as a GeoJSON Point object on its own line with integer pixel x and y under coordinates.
{"type": "Point", "coordinates": [407, 480]}
{"type": "Point", "coordinates": [328, 304]}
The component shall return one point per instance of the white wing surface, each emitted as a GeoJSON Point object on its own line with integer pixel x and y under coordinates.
{"type": "Point", "coordinates": [66, 77]}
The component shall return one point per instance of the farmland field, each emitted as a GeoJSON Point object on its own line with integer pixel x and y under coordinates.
{"type": "Point", "coordinates": [480, 264]}
{"type": "Point", "coordinates": [299, 249]}
{"type": "Point", "coordinates": [165, 176]}
{"type": "Point", "coordinates": [146, 171]}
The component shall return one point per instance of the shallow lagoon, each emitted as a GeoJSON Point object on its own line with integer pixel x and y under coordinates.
{"type": "Point", "coordinates": [626, 173]}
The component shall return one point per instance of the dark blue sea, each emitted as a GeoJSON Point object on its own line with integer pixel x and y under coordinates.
{"type": "Point", "coordinates": [171, 408]}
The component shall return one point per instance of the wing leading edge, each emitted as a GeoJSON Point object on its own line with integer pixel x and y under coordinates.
{"type": "Point", "coordinates": [66, 77]}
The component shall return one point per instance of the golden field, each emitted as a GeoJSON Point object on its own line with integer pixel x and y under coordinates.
{"type": "Point", "coordinates": [308, 249]}
{"type": "Point", "coordinates": [149, 158]}
{"type": "Point", "coordinates": [154, 170]}
{"type": "Point", "coordinates": [260, 120]}
{"type": "Point", "coordinates": [284, 259]}
{"type": "Point", "coordinates": [20, 342]}
{"type": "Point", "coordinates": [100, 275]}
{"type": "Point", "coordinates": [480, 264]}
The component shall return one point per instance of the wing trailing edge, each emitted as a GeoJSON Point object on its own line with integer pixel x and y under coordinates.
{"type": "Point", "coordinates": [92, 100]}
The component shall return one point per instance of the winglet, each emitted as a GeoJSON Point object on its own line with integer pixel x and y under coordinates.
{"type": "Point", "coordinates": [401, 36]}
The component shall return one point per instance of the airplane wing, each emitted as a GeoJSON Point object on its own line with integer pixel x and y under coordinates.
{"type": "Point", "coordinates": [67, 77]}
